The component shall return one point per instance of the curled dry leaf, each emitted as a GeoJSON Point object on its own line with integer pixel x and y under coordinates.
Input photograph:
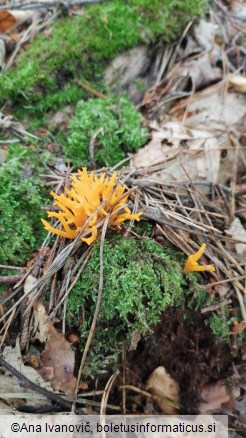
{"type": "Point", "coordinates": [213, 397]}
{"type": "Point", "coordinates": [58, 358]}
{"type": "Point", "coordinates": [161, 384]}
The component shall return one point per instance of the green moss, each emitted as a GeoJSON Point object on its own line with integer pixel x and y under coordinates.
{"type": "Point", "coordinates": [121, 131]}
{"type": "Point", "coordinates": [80, 46]}
{"type": "Point", "coordinates": [220, 323]}
{"type": "Point", "coordinates": [141, 280]}
{"type": "Point", "coordinates": [22, 197]}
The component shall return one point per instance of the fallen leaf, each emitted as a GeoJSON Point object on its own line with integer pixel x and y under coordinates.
{"type": "Point", "coordinates": [179, 147]}
{"type": "Point", "coordinates": [7, 20]}
{"type": "Point", "coordinates": [10, 386]}
{"type": "Point", "coordinates": [238, 232]}
{"type": "Point", "coordinates": [238, 327]}
{"type": "Point", "coordinates": [127, 66]}
{"type": "Point", "coordinates": [213, 396]}
{"type": "Point", "coordinates": [58, 358]}
{"type": "Point", "coordinates": [240, 406]}
{"type": "Point", "coordinates": [30, 282]}
{"type": "Point", "coordinates": [205, 33]}
{"type": "Point", "coordinates": [200, 71]}
{"type": "Point", "coordinates": [161, 384]}
{"type": "Point", "coordinates": [216, 108]}
{"type": "Point", "coordinates": [135, 338]}
{"type": "Point", "coordinates": [238, 83]}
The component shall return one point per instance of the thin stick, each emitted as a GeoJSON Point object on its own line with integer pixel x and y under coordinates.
{"type": "Point", "coordinates": [92, 148]}
{"type": "Point", "coordinates": [91, 90]}
{"type": "Point", "coordinates": [42, 5]}
{"type": "Point", "coordinates": [106, 393]}
{"type": "Point", "coordinates": [99, 298]}
{"type": "Point", "coordinates": [11, 278]}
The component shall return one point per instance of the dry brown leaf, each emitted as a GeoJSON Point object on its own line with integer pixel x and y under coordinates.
{"type": "Point", "coordinates": [135, 338]}
{"type": "Point", "coordinates": [222, 289]}
{"type": "Point", "coordinates": [161, 384]}
{"type": "Point", "coordinates": [238, 327]}
{"type": "Point", "coordinates": [7, 20]}
{"type": "Point", "coordinates": [58, 358]}
{"type": "Point", "coordinates": [213, 396]}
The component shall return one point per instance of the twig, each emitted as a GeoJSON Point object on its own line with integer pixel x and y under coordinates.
{"type": "Point", "coordinates": [153, 396]}
{"type": "Point", "coordinates": [91, 90]}
{"type": "Point", "coordinates": [233, 178]}
{"type": "Point", "coordinates": [11, 267]}
{"type": "Point", "coordinates": [99, 298]}
{"type": "Point", "coordinates": [47, 5]}
{"type": "Point", "coordinates": [106, 393]}
{"type": "Point", "coordinates": [6, 327]}
{"type": "Point", "coordinates": [92, 147]}
{"type": "Point", "coordinates": [11, 278]}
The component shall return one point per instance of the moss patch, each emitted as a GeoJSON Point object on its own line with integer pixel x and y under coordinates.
{"type": "Point", "coordinates": [141, 280]}
{"type": "Point", "coordinates": [120, 129]}
{"type": "Point", "coordinates": [22, 196]}
{"type": "Point", "coordinates": [80, 46]}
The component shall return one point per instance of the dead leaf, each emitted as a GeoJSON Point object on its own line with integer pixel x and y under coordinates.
{"type": "Point", "coordinates": [29, 283]}
{"type": "Point", "coordinates": [58, 358]}
{"type": "Point", "coordinates": [127, 66]}
{"type": "Point", "coordinates": [213, 396]}
{"type": "Point", "coordinates": [10, 386]}
{"type": "Point", "coordinates": [238, 232]}
{"type": "Point", "coordinates": [200, 71]}
{"type": "Point", "coordinates": [161, 384]}
{"type": "Point", "coordinates": [238, 83]}
{"type": "Point", "coordinates": [179, 147]}
{"type": "Point", "coordinates": [135, 338]}
{"type": "Point", "coordinates": [7, 20]}
{"type": "Point", "coordinates": [205, 33]}
{"type": "Point", "coordinates": [238, 327]}
{"type": "Point", "coordinates": [222, 289]}
{"type": "Point", "coordinates": [240, 406]}
{"type": "Point", "coordinates": [216, 108]}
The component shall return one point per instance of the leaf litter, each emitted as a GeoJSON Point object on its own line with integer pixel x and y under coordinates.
{"type": "Point", "coordinates": [190, 181]}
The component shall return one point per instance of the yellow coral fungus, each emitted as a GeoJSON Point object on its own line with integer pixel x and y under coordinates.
{"type": "Point", "coordinates": [83, 201]}
{"type": "Point", "coordinates": [192, 265]}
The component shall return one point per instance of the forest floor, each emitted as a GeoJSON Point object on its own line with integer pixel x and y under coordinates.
{"type": "Point", "coordinates": [134, 301]}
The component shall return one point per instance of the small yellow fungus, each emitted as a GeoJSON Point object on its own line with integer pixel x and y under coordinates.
{"type": "Point", "coordinates": [83, 201]}
{"type": "Point", "coordinates": [191, 265]}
